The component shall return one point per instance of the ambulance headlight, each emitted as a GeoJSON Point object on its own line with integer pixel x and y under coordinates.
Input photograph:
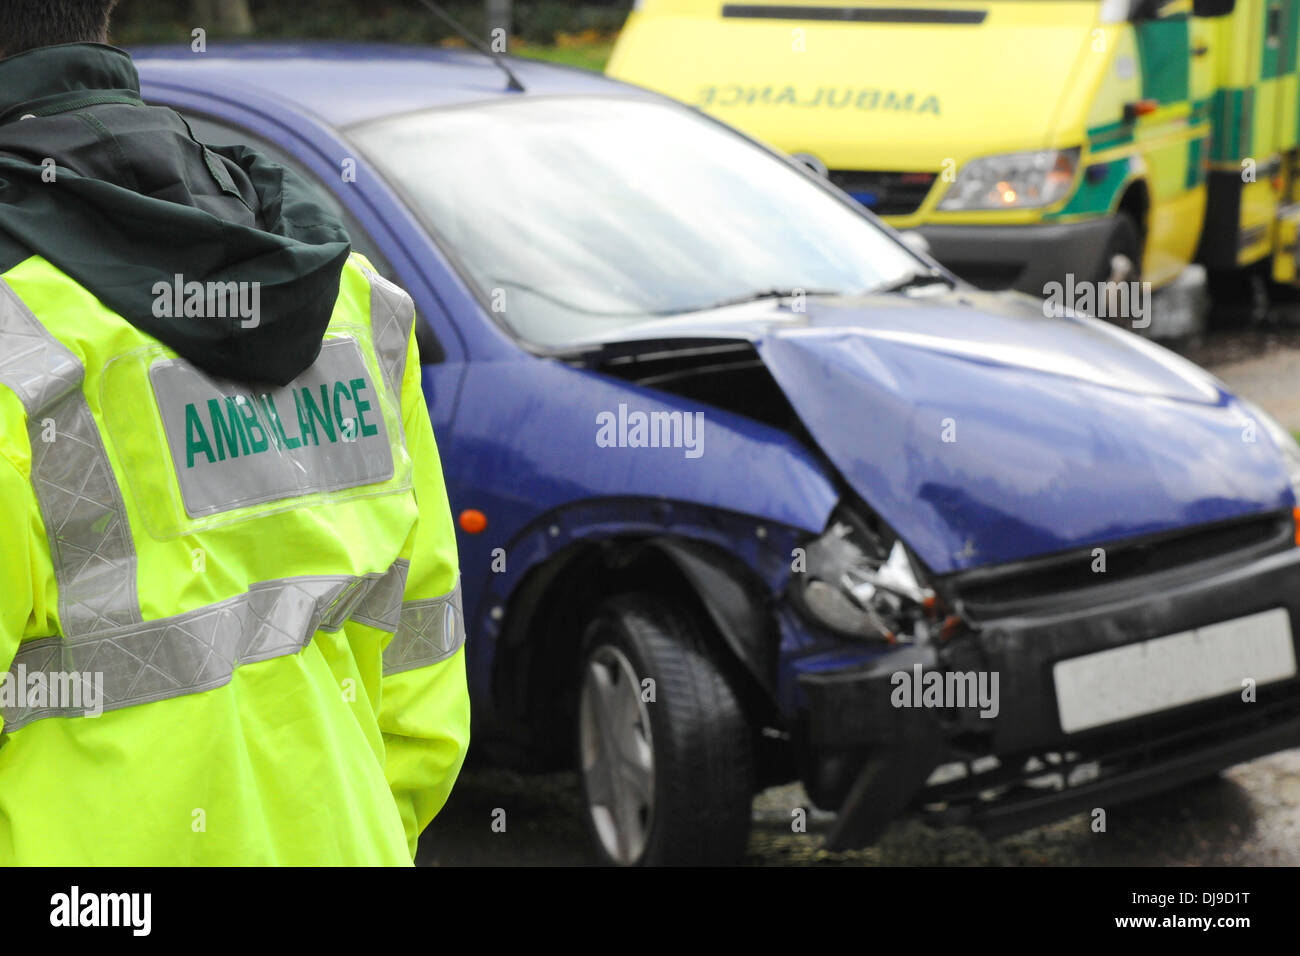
{"type": "Point", "coordinates": [1013, 181]}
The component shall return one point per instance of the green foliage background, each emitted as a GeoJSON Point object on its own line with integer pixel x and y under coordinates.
{"type": "Point", "coordinates": [538, 22]}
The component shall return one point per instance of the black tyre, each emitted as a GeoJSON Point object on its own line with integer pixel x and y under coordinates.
{"type": "Point", "coordinates": [1122, 261]}
{"type": "Point", "coordinates": [1238, 297]}
{"type": "Point", "coordinates": [668, 780]}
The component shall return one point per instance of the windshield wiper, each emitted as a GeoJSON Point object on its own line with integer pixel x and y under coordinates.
{"type": "Point", "coordinates": [760, 296]}
{"type": "Point", "coordinates": [916, 280]}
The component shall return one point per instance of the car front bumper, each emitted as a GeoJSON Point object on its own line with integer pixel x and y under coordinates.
{"type": "Point", "coordinates": [875, 761]}
{"type": "Point", "coordinates": [1025, 258]}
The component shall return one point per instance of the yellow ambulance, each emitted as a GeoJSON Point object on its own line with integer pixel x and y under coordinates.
{"type": "Point", "coordinates": [1026, 140]}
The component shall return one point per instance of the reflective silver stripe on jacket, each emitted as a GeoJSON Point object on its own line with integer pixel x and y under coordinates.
{"type": "Point", "coordinates": [392, 316]}
{"type": "Point", "coordinates": [198, 650]}
{"type": "Point", "coordinates": [382, 606]}
{"type": "Point", "coordinates": [80, 502]}
{"type": "Point", "coordinates": [430, 631]}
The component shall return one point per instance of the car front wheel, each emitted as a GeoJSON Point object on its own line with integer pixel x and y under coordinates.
{"type": "Point", "coordinates": [665, 752]}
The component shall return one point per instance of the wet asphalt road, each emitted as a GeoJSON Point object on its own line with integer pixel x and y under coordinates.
{"type": "Point", "coordinates": [1249, 815]}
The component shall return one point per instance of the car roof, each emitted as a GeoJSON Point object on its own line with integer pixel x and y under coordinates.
{"type": "Point", "coordinates": [346, 83]}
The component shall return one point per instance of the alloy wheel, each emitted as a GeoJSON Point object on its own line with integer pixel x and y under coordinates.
{"type": "Point", "coordinates": [617, 749]}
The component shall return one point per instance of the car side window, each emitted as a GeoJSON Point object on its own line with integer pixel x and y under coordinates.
{"type": "Point", "coordinates": [219, 133]}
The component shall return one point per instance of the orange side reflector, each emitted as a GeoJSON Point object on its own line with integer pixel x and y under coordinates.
{"type": "Point", "coordinates": [1146, 107]}
{"type": "Point", "coordinates": [1295, 513]}
{"type": "Point", "coordinates": [473, 521]}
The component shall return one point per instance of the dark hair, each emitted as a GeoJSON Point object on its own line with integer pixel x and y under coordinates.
{"type": "Point", "coordinates": [28, 24]}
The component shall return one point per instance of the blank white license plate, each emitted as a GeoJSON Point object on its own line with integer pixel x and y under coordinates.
{"type": "Point", "coordinates": [1168, 672]}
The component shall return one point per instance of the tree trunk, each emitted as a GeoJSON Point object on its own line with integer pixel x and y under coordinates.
{"type": "Point", "coordinates": [499, 15]}
{"type": "Point", "coordinates": [224, 16]}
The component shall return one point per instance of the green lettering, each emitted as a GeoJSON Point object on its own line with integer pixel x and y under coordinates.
{"type": "Point", "coordinates": [268, 405]}
{"type": "Point", "coordinates": [248, 411]}
{"type": "Point", "coordinates": [227, 427]}
{"type": "Point", "coordinates": [321, 413]}
{"type": "Point", "coordinates": [895, 102]}
{"type": "Point", "coordinates": [196, 439]}
{"type": "Point", "coordinates": [359, 386]}
{"type": "Point", "coordinates": [338, 412]}
{"type": "Point", "coordinates": [304, 420]}
{"type": "Point", "coordinates": [868, 99]}
{"type": "Point", "coordinates": [266, 415]}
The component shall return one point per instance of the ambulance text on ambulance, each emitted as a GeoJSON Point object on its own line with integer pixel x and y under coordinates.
{"type": "Point", "coordinates": [867, 99]}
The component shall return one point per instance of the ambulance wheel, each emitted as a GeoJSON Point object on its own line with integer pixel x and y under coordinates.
{"type": "Point", "coordinates": [1238, 297]}
{"type": "Point", "coordinates": [1123, 259]}
{"type": "Point", "coordinates": [665, 752]}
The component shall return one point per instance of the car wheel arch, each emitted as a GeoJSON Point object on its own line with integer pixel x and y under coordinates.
{"type": "Point", "coordinates": [537, 656]}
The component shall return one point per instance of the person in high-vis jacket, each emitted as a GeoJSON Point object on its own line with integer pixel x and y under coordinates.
{"type": "Point", "coordinates": [230, 622]}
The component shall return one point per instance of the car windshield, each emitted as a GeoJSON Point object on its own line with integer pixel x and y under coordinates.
{"type": "Point", "coordinates": [580, 217]}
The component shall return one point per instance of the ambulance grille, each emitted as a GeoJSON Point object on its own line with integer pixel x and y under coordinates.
{"type": "Point", "coordinates": [885, 193]}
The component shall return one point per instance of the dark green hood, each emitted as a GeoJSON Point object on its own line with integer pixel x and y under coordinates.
{"type": "Point", "coordinates": [136, 200]}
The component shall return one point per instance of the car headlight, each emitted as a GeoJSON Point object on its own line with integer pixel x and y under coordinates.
{"type": "Point", "coordinates": [1283, 439]}
{"type": "Point", "coordinates": [1013, 180]}
{"type": "Point", "coordinates": [857, 586]}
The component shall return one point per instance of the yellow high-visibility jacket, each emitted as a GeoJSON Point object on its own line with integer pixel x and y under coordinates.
{"type": "Point", "coordinates": [229, 613]}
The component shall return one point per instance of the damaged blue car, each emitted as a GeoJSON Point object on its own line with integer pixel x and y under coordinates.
{"type": "Point", "coordinates": [748, 491]}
